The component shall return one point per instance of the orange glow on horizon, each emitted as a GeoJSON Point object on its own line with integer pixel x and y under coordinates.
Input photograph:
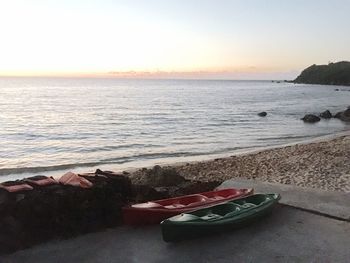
{"type": "Point", "coordinates": [154, 74]}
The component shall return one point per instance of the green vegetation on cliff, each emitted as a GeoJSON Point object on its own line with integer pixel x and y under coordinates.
{"type": "Point", "coordinates": [331, 74]}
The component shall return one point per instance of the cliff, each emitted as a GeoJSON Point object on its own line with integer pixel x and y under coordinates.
{"type": "Point", "coordinates": [331, 74]}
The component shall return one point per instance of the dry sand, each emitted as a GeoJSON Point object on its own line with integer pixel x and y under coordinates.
{"type": "Point", "coordinates": [323, 164]}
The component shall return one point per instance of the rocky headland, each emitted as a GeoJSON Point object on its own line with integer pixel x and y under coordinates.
{"type": "Point", "coordinates": [331, 74]}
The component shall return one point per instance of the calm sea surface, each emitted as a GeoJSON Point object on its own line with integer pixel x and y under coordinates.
{"type": "Point", "coordinates": [50, 125]}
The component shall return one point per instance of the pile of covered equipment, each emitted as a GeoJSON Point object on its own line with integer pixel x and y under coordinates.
{"type": "Point", "coordinates": [40, 208]}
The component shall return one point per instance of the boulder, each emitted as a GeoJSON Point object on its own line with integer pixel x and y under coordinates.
{"type": "Point", "coordinates": [337, 115]}
{"type": "Point", "coordinates": [310, 118]}
{"type": "Point", "coordinates": [165, 182]}
{"type": "Point", "coordinates": [145, 193]}
{"type": "Point", "coordinates": [195, 187]}
{"type": "Point", "coordinates": [326, 114]}
{"type": "Point", "coordinates": [346, 113]}
{"type": "Point", "coordinates": [343, 115]}
{"type": "Point", "coordinates": [262, 114]}
{"type": "Point", "coordinates": [159, 176]}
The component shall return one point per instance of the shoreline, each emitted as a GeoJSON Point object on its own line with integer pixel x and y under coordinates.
{"type": "Point", "coordinates": [322, 163]}
{"type": "Point", "coordinates": [254, 150]}
{"type": "Point", "coordinates": [201, 162]}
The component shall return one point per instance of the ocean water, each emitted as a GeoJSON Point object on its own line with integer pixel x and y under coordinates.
{"type": "Point", "coordinates": [51, 125]}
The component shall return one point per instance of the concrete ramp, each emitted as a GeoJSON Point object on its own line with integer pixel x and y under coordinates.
{"type": "Point", "coordinates": [333, 204]}
{"type": "Point", "coordinates": [286, 235]}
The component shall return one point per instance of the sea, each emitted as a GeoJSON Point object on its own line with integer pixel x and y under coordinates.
{"type": "Point", "coordinates": [52, 125]}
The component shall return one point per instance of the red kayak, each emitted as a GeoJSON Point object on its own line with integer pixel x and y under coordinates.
{"type": "Point", "coordinates": [156, 211]}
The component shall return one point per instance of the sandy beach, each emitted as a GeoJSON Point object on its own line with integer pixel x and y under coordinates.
{"type": "Point", "coordinates": [322, 164]}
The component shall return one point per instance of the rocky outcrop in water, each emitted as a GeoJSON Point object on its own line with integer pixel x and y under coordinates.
{"type": "Point", "coordinates": [326, 114]}
{"type": "Point", "coordinates": [343, 115]}
{"type": "Point", "coordinates": [310, 118]}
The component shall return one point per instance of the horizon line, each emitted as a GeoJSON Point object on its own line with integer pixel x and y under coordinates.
{"type": "Point", "coordinates": [125, 78]}
{"type": "Point", "coordinates": [141, 78]}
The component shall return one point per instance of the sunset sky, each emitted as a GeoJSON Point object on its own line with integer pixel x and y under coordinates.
{"type": "Point", "coordinates": [172, 38]}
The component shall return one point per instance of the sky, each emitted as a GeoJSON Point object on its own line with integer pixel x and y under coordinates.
{"type": "Point", "coordinates": [230, 39]}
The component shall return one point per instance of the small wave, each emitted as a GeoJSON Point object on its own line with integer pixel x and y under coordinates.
{"type": "Point", "coordinates": [117, 160]}
{"type": "Point", "coordinates": [146, 156]}
{"type": "Point", "coordinates": [285, 137]}
{"type": "Point", "coordinates": [117, 147]}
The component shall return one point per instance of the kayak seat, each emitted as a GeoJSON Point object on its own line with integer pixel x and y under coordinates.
{"type": "Point", "coordinates": [248, 205]}
{"type": "Point", "coordinates": [257, 199]}
{"type": "Point", "coordinates": [218, 197]}
{"type": "Point", "coordinates": [194, 199]}
{"type": "Point", "coordinates": [224, 193]}
{"type": "Point", "coordinates": [174, 206]}
{"type": "Point", "coordinates": [211, 216]}
{"type": "Point", "coordinates": [148, 205]}
{"type": "Point", "coordinates": [186, 217]}
{"type": "Point", "coordinates": [224, 209]}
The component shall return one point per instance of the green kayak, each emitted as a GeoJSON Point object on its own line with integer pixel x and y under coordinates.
{"type": "Point", "coordinates": [218, 218]}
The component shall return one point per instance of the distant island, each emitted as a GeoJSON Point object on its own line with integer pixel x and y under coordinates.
{"type": "Point", "coordinates": [331, 74]}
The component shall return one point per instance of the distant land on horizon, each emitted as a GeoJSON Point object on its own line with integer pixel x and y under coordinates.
{"type": "Point", "coordinates": [332, 74]}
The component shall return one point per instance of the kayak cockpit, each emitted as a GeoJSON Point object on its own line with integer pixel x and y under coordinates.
{"type": "Point", "coordinates": [257, 199]}
{"type": "Point", "coordinates": [226, 210]}
{"type": "Point", "coordinates": [226, 193]}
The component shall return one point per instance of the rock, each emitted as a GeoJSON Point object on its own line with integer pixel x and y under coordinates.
{"type": "Point", "coordinates": [310, 118]}
{"type": "Point", "coordinates": [326, 114]}
{"type": "Point", "coordinates": [144, 193]}
{"type": "Point", "coordinates": [262, 114]}
{"type": "Point", "coordinates": [337, 115]}
{"type": "Point", "coordinates": [343, 115]}
{"type": "Point", "coordinates": [336, 89]}
{"type": "Point", "coordinates": [346, 113]}
{"type": "Point", "coordinates": [159, 176]}
{"type": "Point", "coordinates": [194, 187]}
